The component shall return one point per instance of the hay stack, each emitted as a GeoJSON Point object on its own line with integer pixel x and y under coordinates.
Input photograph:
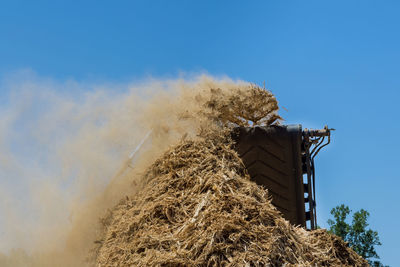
{"type": "Point", "coordinates": [198, 206]}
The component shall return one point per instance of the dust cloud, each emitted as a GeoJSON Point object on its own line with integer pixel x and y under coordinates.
{"type": "Point", "coordinates": [65, 156]}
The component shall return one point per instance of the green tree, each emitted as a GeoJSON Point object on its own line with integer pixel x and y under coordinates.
{"type": "Point", "coordinates": [359, 238]}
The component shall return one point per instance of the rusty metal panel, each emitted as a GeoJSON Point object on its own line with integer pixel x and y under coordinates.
{"type": "Point", "coordinates": [272, 156]}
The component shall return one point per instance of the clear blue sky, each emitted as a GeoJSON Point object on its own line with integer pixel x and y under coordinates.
{"type": "Point", "coordinates": [328, 62]}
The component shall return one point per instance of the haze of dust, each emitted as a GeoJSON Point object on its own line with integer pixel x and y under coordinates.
{"type": "Point", "coordinates": [60, 154]}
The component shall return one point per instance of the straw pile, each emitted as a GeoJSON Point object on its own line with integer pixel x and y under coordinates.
{"type": "Point", "coordinates": [198, 207]}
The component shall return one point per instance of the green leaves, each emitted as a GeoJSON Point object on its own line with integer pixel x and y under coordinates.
{"type": "Point", "coordinates": [359, 238]}
{"type": "Point", "coordinates": [363, 240]}
{"type": "Point", "coordinates": [339, 227]}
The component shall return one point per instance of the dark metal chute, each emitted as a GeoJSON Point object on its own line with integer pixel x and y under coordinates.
{"type": "Point", "coordinates": [281, 158]}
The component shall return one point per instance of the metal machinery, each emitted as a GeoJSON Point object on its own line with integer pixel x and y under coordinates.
{"type": "Point", "coordinates": [281, 158]}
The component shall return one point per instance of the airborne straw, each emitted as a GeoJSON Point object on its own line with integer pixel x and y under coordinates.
{"type": "Point", "coordinates": [198, 206]}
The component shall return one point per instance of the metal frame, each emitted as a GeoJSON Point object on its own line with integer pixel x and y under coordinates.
{"type": "Point", "coordinates": [313, 142]}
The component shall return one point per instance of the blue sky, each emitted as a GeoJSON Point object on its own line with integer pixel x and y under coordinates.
{"type": "Point", "coordinates": [328, 62]}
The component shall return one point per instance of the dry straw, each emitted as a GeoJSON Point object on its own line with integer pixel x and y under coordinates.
{"type": "Point", "coordinates": [198, 206]}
